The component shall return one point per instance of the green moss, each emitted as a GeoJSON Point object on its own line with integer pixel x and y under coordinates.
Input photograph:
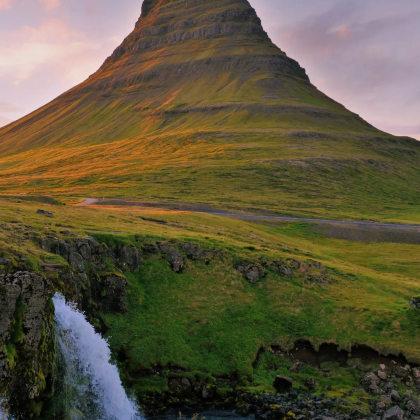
{"type": "Point", "coordinates": [9, 350]}
{"type": "Point", "coordinates": [51, 306]}
{"type": "Point", "coordinates": [146, 386]}
{"type": "Point", "coordinates": [16, 333]}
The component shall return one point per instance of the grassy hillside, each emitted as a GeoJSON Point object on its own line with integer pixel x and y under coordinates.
{"type": "Point", "coordinates": [210, 318]}
{"type": "Point", "coordinates": [198, 105]}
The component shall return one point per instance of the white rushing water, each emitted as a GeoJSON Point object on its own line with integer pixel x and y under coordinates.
{"type": "Point", "coordinates": [3, 410]}
{"type": "Point", "coordinates": [90, 386]}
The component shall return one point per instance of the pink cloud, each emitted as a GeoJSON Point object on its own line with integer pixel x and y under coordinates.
{"type": "Point", "coordinates": [343, 31]}
{"type": "Point", "coordinates": [24, 51]}
{"type": "Point", "coordinates": [6, 4]}
{"type": "Point", "coordinates": [50, 4]}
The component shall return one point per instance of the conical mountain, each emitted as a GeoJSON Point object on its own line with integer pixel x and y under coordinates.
{"type": "Point", "coordinates": [197, 104]}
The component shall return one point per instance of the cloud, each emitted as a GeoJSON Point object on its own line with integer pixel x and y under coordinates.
{"type": "Point", "coordinates": [362, 55]}
{"type": "Point", "coordinates": [6, 4]}
{"type": "Point", "coordinates": [50, 4]}
{"type": "Point", "coordinates": [23, 51]}
{"type": "Point", "coordinates": [5, 107]}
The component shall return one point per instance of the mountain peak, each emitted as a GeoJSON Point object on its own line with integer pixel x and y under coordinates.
{"type": "Point", "coordinates": [228, 25]}
{"type": "Point", "coordinates": [198, 104]}
{"type": "Point", "coordinates": [147, 6]}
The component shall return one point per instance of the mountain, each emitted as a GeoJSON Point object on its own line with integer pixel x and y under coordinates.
{"type": "Point", "coordinates": [198, 105]}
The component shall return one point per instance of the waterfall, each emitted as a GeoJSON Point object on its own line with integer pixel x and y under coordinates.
{"type": "Point", "coordinates": [88, 386]}
{"type": "Point", "coordinates": [3, 410]}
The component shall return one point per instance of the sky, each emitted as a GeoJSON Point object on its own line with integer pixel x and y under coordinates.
{"type": "Point", "coordinates": [363, 53]}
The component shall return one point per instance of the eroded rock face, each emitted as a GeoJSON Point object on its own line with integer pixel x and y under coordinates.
{"type": "Point", "coordinates": [87, 282]}
{"type": "Point", "coordinates": [26, 338]}
{"type": "Point", "coordinates": [110, 293]}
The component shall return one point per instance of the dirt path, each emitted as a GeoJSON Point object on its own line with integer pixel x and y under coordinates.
{"type": "Point", "coordinates": [89, 202]}
{"type": "Point", "coordinates": [207, 210]}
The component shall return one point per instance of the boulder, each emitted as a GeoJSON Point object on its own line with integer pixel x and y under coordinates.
{"type": "Point", "coordinates": [293, 263]}
{"type": "Point", "coordinates": [282, 383]}
{"type": "Point", "coordinates": [413, 405]}
{"type": "Point", "coordinates": [316, 264]}
{"type": "Point", "coordinates": [395, 397]}
{"type": "Point", "coordinates": [44, 212]}
{"type": "Point", "coordinates": [252, 271]}
{"type": "Point", "coordinates": [374, 389]}
{"type": "Point", "coordinates": [387, 386]}
{"type": "Point", "coordinates": [304, 268]}
{"type": "Point", "coordinates": [129, 257]}
{"type": "Point", "coordinates": [283, 269]}
{"type": "Point", "coordinates": [286, 271]}
{"type": "Point", "coordinates": [192, 251]}
{"type": "Point", "coordinates": [175, 259]}
{"type": "Point", "coordinates": [394, 413]}
{"type": "Point", "coordinates": [382, 375]}
{"type": "Point", "coordinates": [151, 248]}
{"type": "Point", "coordinates": [370, 379]}
{"type": "Point", "coordinates": [415, 302]}
{"type": "Point", "coordinates": [400, 372]}
{"type": "Point", "coordinates": [386, 399]}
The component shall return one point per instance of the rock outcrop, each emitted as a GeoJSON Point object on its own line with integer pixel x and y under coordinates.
{"type": "Point", "coordinates": [26, 339]}
{"type": "Point", "coordinates": [253, 272]}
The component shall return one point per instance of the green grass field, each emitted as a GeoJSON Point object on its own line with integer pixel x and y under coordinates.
{"type": "Point", "coordinates": [209, 319]}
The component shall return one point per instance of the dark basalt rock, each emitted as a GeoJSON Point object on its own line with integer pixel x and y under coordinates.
{"type": "Point", "coordinates": [193, 251]}
{"type": "Point", "coordinates": [26, 339]}
{"type": "Point", "coordinates": [253, 272]}
{"type": "Point", "coordinates": [175, 259]}
{"type": "Point", "coordinates": [151, 249]}
{"type": "Point", "coordinates": [415, 302]}
{"type": "Point", "coordinates": [370, 379]}
{"type": "Point", "coordinates": [283, 269]}
{"type": "Point", "coordinates": [45, 213]}
{"type": "Point", "coordinates": [76, 261]}
{"type": "Point", "coordinates": [129, 257]}
{"type": "Point", "coordinates": [84, 250]}
{"type": "Point", "coordinates": [394, 413]}
{"type": "Point", "coordinates": [282, 383]}
{"type": "Point", "coordinates": [413, 405]}
{"type": "Point", "coordinates": [110, 293]}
